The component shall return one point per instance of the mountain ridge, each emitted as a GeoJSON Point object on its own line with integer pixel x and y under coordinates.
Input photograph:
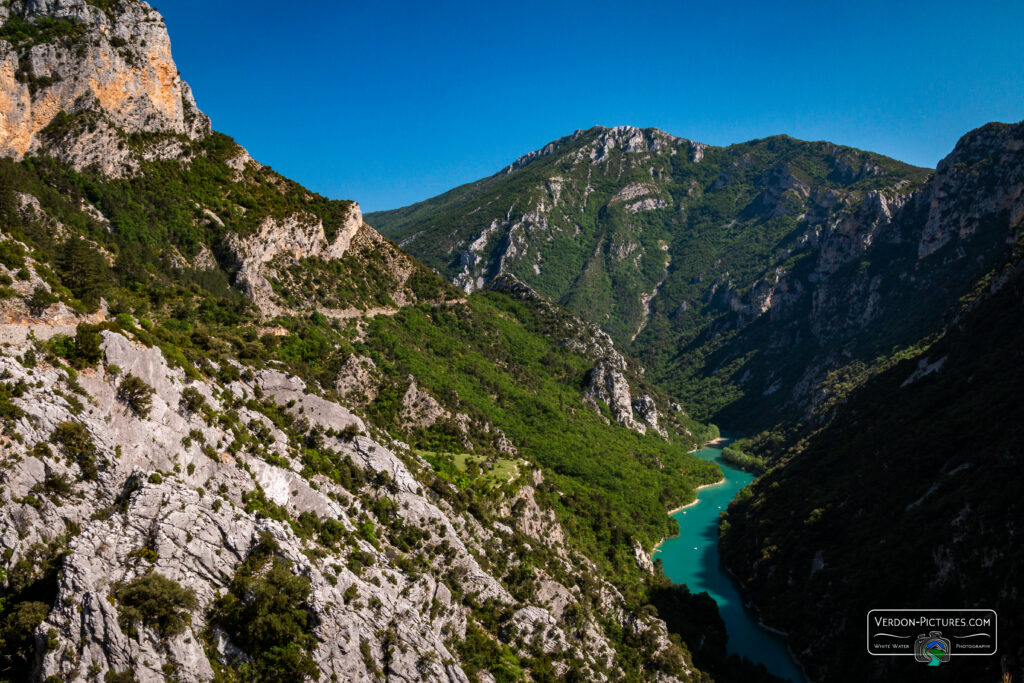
{"type": "Point", "coordinates": [634, 229]}
{"type": "Point", "coordinates": [552, 146]}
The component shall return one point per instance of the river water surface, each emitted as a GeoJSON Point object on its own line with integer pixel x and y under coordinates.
{"type": "Point", "coordinates": [692, 558]}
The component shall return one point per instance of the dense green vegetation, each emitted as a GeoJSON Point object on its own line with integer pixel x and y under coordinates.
{"type": "Point", "coordinates": [148, 220]}
{"type": "Point", "coordinates": [734, 455]}
{"type": "Point", "coordinates": [77, 446]}
{"type": "Point", "coordinates": [156, 602]}
{"type": "Point", "coordinates": [481, 652]}
{"type": "Point", "coordinates": [136, 394]}
{"type": "Point", "coordinates": [160, 218]}
{"type": "Point", "coordinates": [462, 469]}
{"type": "Point", "coordinates": [23, 34]}
{"type": "Point", "coordinates": [497, 359]}
{"type": "Point", "coordinates": [27, 592]}
{"type": "Point", "coordinates": [363, 278]}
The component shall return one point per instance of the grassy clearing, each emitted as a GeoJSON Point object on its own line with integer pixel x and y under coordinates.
{"type": "Point", "coordinates": [463, 468]}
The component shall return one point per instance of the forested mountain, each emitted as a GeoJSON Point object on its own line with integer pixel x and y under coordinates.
{"type": "Point", "coordinates": [758, 281]}
{"type": "Point", "coordinates": [245, 437]}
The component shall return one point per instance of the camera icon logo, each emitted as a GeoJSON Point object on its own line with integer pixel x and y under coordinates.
{"type": "Point", "coordinates": [931, 649]}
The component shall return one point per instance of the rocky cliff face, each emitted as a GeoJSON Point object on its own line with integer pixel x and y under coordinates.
{"type": "Point", "coordinates": [78, 79]}
{"type": "Point", "coordinates": [886, 273]}
{"type": "Point", "coordinates": [285, 242]}
{"type": "Point", "coordinates": [172, 492]}
{"type": "Point", "coordinates": [981, 180]}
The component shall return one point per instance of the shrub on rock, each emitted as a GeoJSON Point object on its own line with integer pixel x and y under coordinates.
{"type": "Point", "coordinates": [136, 394]}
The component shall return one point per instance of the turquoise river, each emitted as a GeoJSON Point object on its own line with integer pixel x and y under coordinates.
{"type": "Point", "coordinates": [692, 558]}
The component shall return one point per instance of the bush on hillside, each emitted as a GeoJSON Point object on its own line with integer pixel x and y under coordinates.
{"type": "Point", "coordinates": [155, 601]}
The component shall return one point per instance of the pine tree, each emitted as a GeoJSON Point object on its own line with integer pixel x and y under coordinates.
{"type": "Point", "coordinates": [84, 271]}
{"type": "Point", "coordinates": [9, 216]}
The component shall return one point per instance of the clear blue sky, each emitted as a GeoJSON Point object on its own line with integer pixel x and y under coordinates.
{"type": "Point", "coordinates": [388, 103]}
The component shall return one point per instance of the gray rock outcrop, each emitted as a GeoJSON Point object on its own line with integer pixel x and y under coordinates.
{"type": "Point", "coordinates": [607, 384]}
{"type": "Point", "coordinates": [647, 410]}
{"type": "Point", "coordinates": [420, 409]}
{"type": "Point", "coordinates": [357, 380]}
{"type": "Point", "coordinates": [295, 237]}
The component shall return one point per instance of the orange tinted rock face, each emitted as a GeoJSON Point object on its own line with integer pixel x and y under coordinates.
{"type": "Point", "coordinates": [165, 89]}
{"type": "Point", "coordinates": [120, 67]}
{"type": "Point", "coordinates": [15, 105]}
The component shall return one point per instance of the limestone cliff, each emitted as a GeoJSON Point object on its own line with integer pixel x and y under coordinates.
{"type": "Point", "coordinates": [103, 69]}
{"type": "Point", "coordinates": [295, 237]}
{"type": "Point", "coordinates": [171, 491]}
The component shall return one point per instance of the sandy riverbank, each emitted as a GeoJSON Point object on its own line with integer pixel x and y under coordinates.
{"type": "Point", "coordinates": [714, 443]}
{"type": "Point", "coordinates": [720, 442]}
{"type": "Point", "coordinates": [697, 499]}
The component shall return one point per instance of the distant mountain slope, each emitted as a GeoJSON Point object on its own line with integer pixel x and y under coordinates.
{"type": "Point", "coordinates": [757, 281]}
{"type": "Point", "coordinates": [910, 498]}
{"type": "Point", "coordinates": [653, 237]}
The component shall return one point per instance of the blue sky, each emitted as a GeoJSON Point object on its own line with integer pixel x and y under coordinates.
{"type": "Point", "coordinates": [388, 103]}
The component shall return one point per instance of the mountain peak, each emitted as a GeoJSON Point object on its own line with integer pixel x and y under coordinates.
{"type": "Point", "coordinates": [597, 142]}
{"type": "Point", "coordinates": [626, 133]}
{"type": "Point", "coordinates": [631, 139]}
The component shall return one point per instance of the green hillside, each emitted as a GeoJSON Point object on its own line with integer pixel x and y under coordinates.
{"type": "Point", "coordinates": [146, 259]}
